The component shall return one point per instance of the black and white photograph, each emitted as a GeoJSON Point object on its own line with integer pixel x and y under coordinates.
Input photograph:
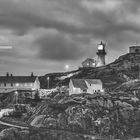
{"type": "Point", "coordinates": [69, 69]}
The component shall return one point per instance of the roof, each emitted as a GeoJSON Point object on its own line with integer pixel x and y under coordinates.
{"type": "Point", "coordinates": [134, 47]}
{"type": "Point", "coordinates": [81, 83]}
{"type": "Point", "coordinates": [89, 59]}
{"type": "Point", "coordinates": [17, 79]}
{"type": "Point", "coordinates": [94, 81]}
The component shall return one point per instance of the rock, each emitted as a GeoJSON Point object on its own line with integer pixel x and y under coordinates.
{"type": "Point", "coordinates": [24, 135]}
{"type": "Point", "coordinates": [9, 134]}
{"type": "Point", "coordinates": [50, 122]}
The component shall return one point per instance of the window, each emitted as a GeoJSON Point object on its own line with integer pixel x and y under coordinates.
{"type": "Point", "coordinates": [84, 90]}
{"type": "Point", "coordinates": [137, 50]}
{"type": "Point", "coordinates": [17, 84]}
{"type": "Point", "coordinates": [5, 84]}
{"type": "Point", "coordinates": [11, 84]}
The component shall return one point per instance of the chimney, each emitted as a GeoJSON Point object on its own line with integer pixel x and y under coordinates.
{"type": "Point", "coordinates": [7, 74]}
{"type": "Point", "coordinates": [32, 74]}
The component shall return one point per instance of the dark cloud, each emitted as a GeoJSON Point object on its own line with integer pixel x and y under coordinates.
{"type": "Point", "coordinates": [59, 48]}
{"type": "Point", "coordinates": [77, 22]}
{"type": "Point", "coordinates": [99, 23]}
{"type": "Point", "coordinates": [21, 17]}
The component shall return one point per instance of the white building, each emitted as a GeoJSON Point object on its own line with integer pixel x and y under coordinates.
{"type": "Point", "coordinates": [89, 63]}
{"type": "Point", "coordinates": [77, 86]}
{"type": "Point", "coordinates": [10, 82]}
{"type": "Point", "coordinates": [134, 49]}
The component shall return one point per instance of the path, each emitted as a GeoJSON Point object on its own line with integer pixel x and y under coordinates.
{"type": "Point", "coordinates": [13, 125]}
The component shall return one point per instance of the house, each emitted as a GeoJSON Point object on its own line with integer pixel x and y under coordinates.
{"type": "Point", "coordinates": [77, 86]}
{"type": "Point", "coordinates": [134, 49]}
{"type": "Point", "coordinates": [89, 63]}
{"type": "Point", "coordinates": [10, 82]}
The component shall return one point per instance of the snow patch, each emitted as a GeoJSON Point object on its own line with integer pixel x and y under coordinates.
{"type": "Point", "coordinates": [131, 82]}
{"type": "Point", "coordinates": [134, 99]}
{"type": "Point", "coordinates": [45, 92]}
{"type": "Point", "coordinates": [6, 112]}
{"type": "Point", "coordinates": [67, 76]}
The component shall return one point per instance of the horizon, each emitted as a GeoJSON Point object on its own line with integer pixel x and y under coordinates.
{"type": "Point", "coordinates": [58, 35]}
{"type": "Point", "coordinates": [35, 74]}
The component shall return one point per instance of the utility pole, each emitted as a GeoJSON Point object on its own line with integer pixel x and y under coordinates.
{"type": "Point", "coordinates": [48, 82]}
{"type": "Point", "coordinates": [16, 93]}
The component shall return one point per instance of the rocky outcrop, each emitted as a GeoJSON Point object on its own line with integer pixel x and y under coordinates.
{"type": "Point", "coordinates": [105, 115]}
{"type": "Point", "coordinates": [9, 134]}
{"type": "Point", "coordinates": [79, 117]}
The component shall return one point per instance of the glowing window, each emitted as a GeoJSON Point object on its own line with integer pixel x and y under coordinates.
{"type": "Point", "coordinates": [17, 84]}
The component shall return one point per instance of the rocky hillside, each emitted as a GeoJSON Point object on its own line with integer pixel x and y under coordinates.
{"type": "Point", "coordinates": [123, 69]}
{"type": "Point", "coordinates": [108, 116]}
{"type": "Point", "coordinates": [80, 117]}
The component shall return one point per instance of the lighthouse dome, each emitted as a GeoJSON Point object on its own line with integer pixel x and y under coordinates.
{"type": "Point", "coordinates": [100, 47]}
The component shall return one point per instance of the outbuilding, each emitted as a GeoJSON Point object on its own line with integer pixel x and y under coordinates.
{"type": "Point", "coordinates": [77, 86]}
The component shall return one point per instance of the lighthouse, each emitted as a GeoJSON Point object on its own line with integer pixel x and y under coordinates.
{"type": "Point", "coordinates": [101, 55]}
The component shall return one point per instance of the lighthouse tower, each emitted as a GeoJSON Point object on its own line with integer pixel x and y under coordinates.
{"type": "Point", "coordinates": [101, 55]}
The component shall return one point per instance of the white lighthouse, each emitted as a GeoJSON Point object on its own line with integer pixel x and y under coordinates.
{"type": "Point", "coordinates": [101, 55]}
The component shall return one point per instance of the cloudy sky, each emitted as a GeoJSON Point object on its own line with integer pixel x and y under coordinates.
{"type": "Point", "coordinates": [46, 35]}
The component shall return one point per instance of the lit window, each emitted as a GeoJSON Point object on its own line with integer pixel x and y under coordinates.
{"type": "Point", "coordinates": [17, 84]}
{"type": "Point", "coordinates": [102, 90]}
